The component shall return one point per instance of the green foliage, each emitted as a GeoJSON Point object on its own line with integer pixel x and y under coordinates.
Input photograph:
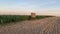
{"type": "Point", "coordinates": [14, 18]}
{"type": "Point", "coordinates": [41, 17]}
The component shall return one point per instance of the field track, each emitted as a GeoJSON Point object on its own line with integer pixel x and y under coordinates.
{"type": "Point", "coordinates": [44, 26]}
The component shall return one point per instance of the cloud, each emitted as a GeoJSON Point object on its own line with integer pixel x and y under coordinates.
{"type": "Point", "coordinates": [46, 3]}
{"type": "Point", "coordinates": [26, 7]}
{"type": "Point", "coordinates": [50, 11]}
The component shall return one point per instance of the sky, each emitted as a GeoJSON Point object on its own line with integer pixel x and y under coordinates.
{"type": "Point", "coordinates": [25, 7]}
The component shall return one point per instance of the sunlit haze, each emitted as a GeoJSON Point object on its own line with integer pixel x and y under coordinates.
{"type": "Point", "coordinates": [25, 7]}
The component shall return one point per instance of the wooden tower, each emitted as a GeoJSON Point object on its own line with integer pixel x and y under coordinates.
{"type": "Point", "coordinates": [33, 15]}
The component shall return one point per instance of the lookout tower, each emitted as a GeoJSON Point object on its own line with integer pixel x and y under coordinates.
{"type": "Point", "coordinates": [33, 15]}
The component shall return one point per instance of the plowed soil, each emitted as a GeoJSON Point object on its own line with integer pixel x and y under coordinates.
{"type": "Point", "coordinates": [44, 26]}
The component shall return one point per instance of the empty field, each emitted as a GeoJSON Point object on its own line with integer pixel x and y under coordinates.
{"type": "Point", "coordinates": [44, 26]}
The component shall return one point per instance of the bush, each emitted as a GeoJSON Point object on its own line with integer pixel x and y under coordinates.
{"type": "Point", "coordinates": [14, 18]}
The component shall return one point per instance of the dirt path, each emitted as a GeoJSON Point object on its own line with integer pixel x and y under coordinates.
{"type": "Point", "coordinates": [43, 26]}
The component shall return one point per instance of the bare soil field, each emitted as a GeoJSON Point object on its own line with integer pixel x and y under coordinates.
{"type": "Point", "coordinates": [44, 26]}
